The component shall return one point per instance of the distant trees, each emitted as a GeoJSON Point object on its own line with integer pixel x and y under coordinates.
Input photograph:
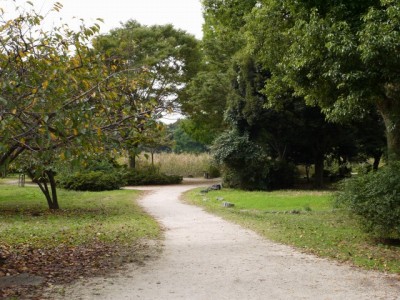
{"type": "Point", "coordinates": [182, 142]}
{"type": "Point", "coordinates": [169, 58]}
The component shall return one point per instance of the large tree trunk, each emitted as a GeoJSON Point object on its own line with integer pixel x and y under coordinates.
{"type": "Point", "coordinates": [132, 161]}
{"type": "Point", "coordinates": [390, 111]}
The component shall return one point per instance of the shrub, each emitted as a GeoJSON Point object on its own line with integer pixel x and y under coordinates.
{"type": "Point", "coordinates": [150, 177]}
{"type": "Point", "coordinates": [246, 166]}
{"type": "Point", "coordinates": [92, 181]}
{"type": "Point", "coordinates": [104, 165]}
{"type": "Point", "coordinates": [375, 199]}
{"type": "Point", "coordinates": [213, 171]}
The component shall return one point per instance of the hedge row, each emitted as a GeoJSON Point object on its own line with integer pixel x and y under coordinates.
{"type": "Point", "coordinates": [104, 181]}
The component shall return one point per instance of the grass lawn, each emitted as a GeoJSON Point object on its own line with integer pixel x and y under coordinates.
{"type": "Point", "coordinates": [84, 216]}
{"type": "Point", "coordinates": [92, 233]}
{"type": "Point", "coordinates": [304, 219]}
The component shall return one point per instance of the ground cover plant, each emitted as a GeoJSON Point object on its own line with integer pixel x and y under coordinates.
{"type": "Point", "coordinates": [93, 232]}
{"type": "Point", "coordinates": [304, 219]}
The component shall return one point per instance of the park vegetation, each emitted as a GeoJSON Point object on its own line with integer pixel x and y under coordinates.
{"type": "Point", "coordinates": [288, 83]}
{"type": "Point", "coordinates": [273, 85]}
{"type": "Point", "coordinates": [68, 95]}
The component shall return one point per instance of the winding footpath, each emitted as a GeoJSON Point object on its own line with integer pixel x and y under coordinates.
{"type": "Point", "coordinates": [205, 257]}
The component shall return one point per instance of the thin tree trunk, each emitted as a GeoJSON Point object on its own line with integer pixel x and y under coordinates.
{"type": "Point", "coordinates": [377, 160]}
{"type": "Point", "coordinates": [52, 200]}
{"type": "Point", "coordinates": [308, 173]}
{"type": "Point", "coordinates": [132, 161]}
{"type": "Point", "coordinates": [53, 186]}
{"type": "Point", "coordinates": [319, 171]}
{"type": "Point", "coordinates": [390, 111]}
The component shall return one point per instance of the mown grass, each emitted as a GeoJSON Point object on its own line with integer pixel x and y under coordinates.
{"type": "Point", "coordinates": [84, 217]}
{"type": "Point", "coordinates": [302, 219]}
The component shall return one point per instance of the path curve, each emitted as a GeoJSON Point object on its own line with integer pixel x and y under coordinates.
{"type": "Point", "coordinates": [206, 257]}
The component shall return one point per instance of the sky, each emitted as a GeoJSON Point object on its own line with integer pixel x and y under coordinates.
{"type": "Point", "coordinates": [183, 14]}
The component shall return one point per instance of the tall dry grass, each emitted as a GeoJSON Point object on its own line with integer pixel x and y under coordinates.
{"type": "Point", "coordinates": [185, 164]}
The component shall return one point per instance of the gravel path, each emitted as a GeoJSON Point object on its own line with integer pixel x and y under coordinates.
{"type": "Point", "coordinates": [206, 257]}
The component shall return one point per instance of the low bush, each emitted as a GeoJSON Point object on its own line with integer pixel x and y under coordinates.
{"type": "Point", "coordinates": [213, 171]}
{"type": "Point", "coordinates": [150, 177]}
{"type": "Point", "coordinates": [375, 199]}
{"type": "Point", "coordinates": [246, 166]}
{"type": "Point", "coordinates": [92, 181]}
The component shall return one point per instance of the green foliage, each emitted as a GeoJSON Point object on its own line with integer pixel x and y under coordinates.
{"type": "Point", "coordinates": [150, 176]}
{"type": "Point", "coordinates": [104, 165]}
{"type": "Point", "coordinates": [241, 160]}
{"type": "Point", "coordinates": [279, 175]}
{"type": "Point", "coordinates": [184, 143]}
{"type": "Point", "coordinates": [375, 199]}
{"type": "Point", "coordinates": [245, 165]}
{"type": "Point", "coordinates": [213, 170]}
{"type": "Point", "coordinates": [92, 181]}
{"type": "Point", "coordinates": [61, 98]}
{"type": "Point", "coordinates": [170, 58]}
{"type": "Point", "coordinates": [340, 55]}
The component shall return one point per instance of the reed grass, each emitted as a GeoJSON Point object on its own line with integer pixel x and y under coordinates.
{"type": "Point", "coordinates": [184, 164]}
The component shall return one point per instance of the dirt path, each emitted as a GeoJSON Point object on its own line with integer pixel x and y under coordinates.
{"type": "Point", "coordinates": [206, 257]}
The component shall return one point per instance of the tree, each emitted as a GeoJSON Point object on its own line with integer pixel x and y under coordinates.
{"type": "Point", "coordinates": [156, 139]}
{"type": "Point", "coordinates": [170, 58]}
{"type": "Point", "coordinates": [58, 97]}
{"type": "Point", "coordinates": [340, 55]}
{"type": "Point", "coordinates": [182, 141]}
{"type": "Point", "coordinates": [291, 132]}
{"type": "Point", "coordinates": [209, 91]}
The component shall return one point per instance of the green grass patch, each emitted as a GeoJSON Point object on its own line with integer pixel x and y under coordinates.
{"type": "Point", "coordinates": [84, 217]}
{"type": "Point", "coordinates": [302, 219]}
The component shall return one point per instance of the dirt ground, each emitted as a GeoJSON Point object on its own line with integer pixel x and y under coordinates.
{"type": "Point", "coordinates": [206, 257]}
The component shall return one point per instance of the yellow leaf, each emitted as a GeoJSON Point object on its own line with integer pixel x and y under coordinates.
{"type": "Point", "coordinates": [99, 131]}
{"type": "Point", "coordinates": [62, 156]}
{"type": "Point", "coordinates": [52, 136]}
{"type": "Point", "coordinates": [76, 131]}
{"type": "Point", "coordinates": [34, 91]}
{"type": "Point", "coordinates": [45, 84]}
{"type": "Point", "coordinates": [86, 84]}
